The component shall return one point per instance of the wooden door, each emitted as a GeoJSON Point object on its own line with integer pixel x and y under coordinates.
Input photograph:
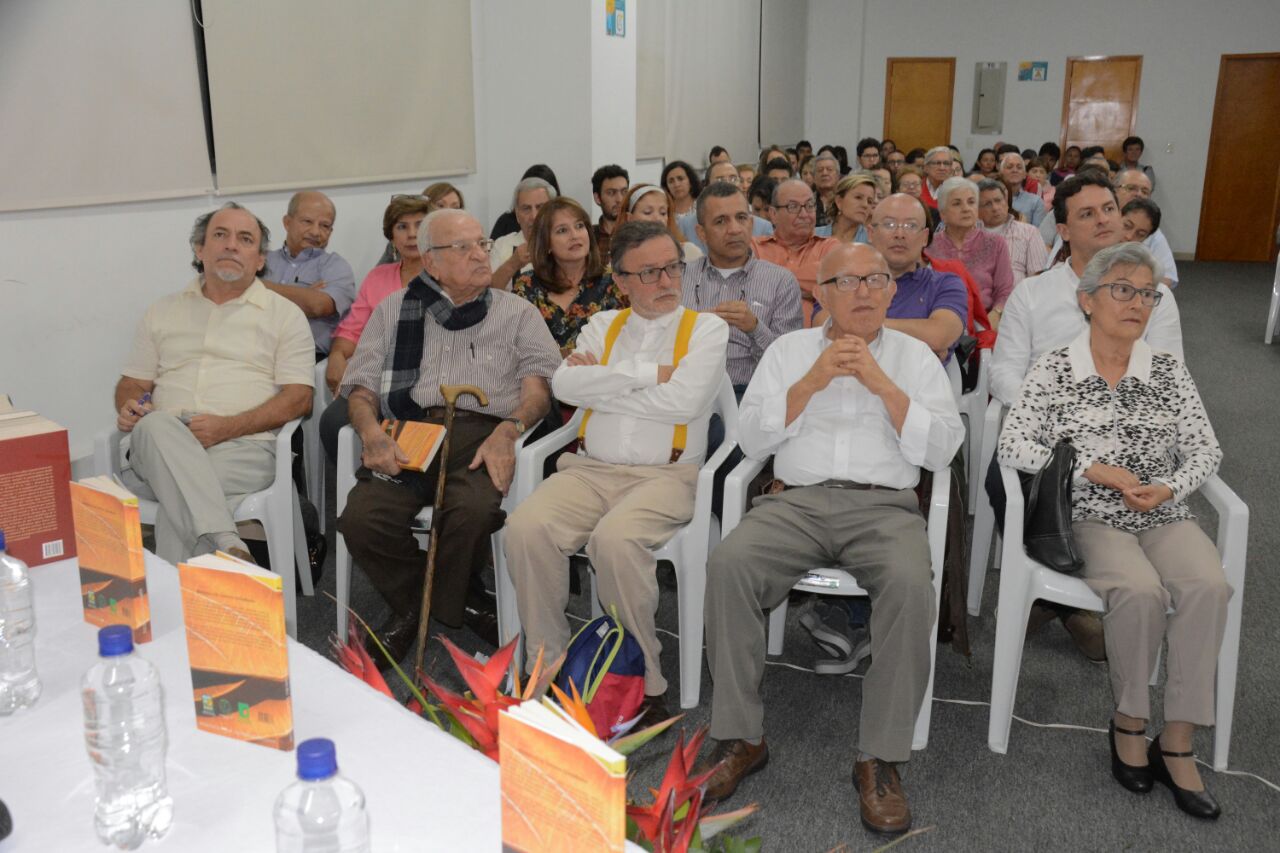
{"type": "Point", "coordinates": [917, 101]}
{"type": "Point", "coordinates": [1239, 209]}
{"type": "Point", "coordinates": [1100, 101]}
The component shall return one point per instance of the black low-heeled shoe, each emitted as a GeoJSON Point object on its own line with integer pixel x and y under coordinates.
{"type": "Point", "coordinates": [1199, 804]}
{"type": "Point", "coordinates": [1133, 778]}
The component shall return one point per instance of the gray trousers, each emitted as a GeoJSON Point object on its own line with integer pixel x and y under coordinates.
{"type": "Point", "coordinates": [197, 488]}
{"type": "Point", "coordinates": [1139, 576]}
{"type": "Point", "coordinates": [879, 537]}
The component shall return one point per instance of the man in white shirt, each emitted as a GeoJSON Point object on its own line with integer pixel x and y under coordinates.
{"type": "Point", "coordinates": [1135, 183]}
{"type": "Point", "coordinates": [851, 411]}
{"type": "Point", "coordinates": [631, 485]}
{"type": "Point", "coordinates": [214, 370]}
{"type": "Point", "coordinates": [510, 253]}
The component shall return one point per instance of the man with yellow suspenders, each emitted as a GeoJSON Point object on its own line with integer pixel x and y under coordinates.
{"type": "Point", "coordinates": [647, 377]}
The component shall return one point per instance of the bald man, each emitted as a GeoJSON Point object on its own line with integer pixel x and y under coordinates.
{"type": "Point", "coordinates": [318, 281]}
{"type": "Point", "coordinates": [850, 410]}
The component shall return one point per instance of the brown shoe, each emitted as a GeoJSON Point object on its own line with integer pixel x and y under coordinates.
{"type": "Point", "coordinates": [1041, 615]}
{"type": "Point", "coordinates": [880, 797]}
{"type": "Point", "coordinates": [653, 710]}
{"type": "Point", "coordinates": [734, 761]}
{"type": "Point", "coordinates": [1085, 628]}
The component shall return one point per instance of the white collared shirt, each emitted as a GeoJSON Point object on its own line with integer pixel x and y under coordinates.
{"type": "Point", "coordinates": [844, 433]}
{"type": "Point", "coordinates": [633, 416]}
{"type": "Point", "coordinates": [1043, 314]}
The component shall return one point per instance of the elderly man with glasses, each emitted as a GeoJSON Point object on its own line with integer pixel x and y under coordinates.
{"type": "Point", "coordinates": [851, 411]}
{"type": "Point", "coordinates": [793, 244]}
{"type": "Point", "coordinates": [448, 327]}
{"type": "Point", "coordinates": [647, 377]}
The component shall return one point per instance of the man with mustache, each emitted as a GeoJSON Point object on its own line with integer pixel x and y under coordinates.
{"type": "Point", "coordinates": [648, 376]}
{"type": "Point", "coordinates": [318, 281]}
{"type": "Point", "coordinates": [214, 371]}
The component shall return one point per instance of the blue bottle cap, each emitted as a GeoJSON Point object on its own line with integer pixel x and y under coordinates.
{"type": "Point", "coordinates": [317, 759]}
{"type": "Point", "coordinates": [1, 540]}
{"type": "Point", "coordinates": [115, 640]}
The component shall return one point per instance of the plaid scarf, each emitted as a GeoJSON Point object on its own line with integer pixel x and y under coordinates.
{"type": "Point", "coordinates": [403, 362]}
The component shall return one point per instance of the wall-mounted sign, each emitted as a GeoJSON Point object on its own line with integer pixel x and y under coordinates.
{"type": "Point", "coordinates": [1036, 72]}
{"type": "Point", "coordinates": [615, 18]}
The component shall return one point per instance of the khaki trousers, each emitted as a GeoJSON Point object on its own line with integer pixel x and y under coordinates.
{"type": "Point", "coordinates": [621, 513]}
{"type": "Point", "coordinates": [196, 487]}
{"type": "Point", "coordinates": [878, 536]}
{"type": "Point", "coordinates": [1139, 577]}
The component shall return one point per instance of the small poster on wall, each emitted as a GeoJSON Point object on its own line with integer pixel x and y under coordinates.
{"type": "Point", "coordinates": [1036, 72]}
{"type": "Point", "coordinates": [615, 18]}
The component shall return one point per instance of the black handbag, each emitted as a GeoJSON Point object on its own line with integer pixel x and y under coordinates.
{"type": "Point", "coordinates": [1046, 526]}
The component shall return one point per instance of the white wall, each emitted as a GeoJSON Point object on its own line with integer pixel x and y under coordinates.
{"type": "Point", "coordinates": [782, 72]}
{"type": "Point", "coordinates": [1181, 42]}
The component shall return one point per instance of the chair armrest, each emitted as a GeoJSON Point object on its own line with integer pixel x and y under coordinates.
{"type": "Point", "coordinates": [984, 374]}
{"type": "Point", "coordinates": [705, 488]}
{"type": "Point", "coordinates": [349, 448]}
{"type": "Point", "coordinates": [1013, 510]}
{"type": "Point", "coordinates": [321, 391]}
{"type": "Point", "coordinates": [1233, 527]}
{"type": "Point", "coordinates": [940, 497]}
{"type": "Point", "coordinates": [735, 492]}
{"type": "Point", "coordinates": [284, 451]}
{"type": "Point", "coordinates": [532, 458]}
{"type": "Point", "coordinates": [106, 452]}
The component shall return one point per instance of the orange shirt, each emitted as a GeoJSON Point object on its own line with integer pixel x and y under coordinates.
{"type": "Point", "coordinates": [802, 261]}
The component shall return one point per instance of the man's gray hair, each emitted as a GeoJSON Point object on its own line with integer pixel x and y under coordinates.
{"type": "Point", "coordinates": [774, 200]}
{"type": "Point", "coordinates": [530, 184]}
{"type": "Point", "coordinates": [1119, 255]}
{"type": "Point", "coordinates": [939, 149]}
{"type": "Point", "coordinates": [989, 184]}
{"type": "Point", "coordinates": [424, 230]}
{"type": "Point", "coordinates": [711, 168]}
{"type": "Point", "coordinates": [200, 230]}
{"type": "Point", "coordinates": [1000, 162]}
{"type": "Point", "coordinates": [636, 232]}
{"type": "Point", "coordinates": [951, 185]}
{"type": "Point", "coordinates": [716, 189]}
{"type": "Point", "coordinates": [1126, 170]}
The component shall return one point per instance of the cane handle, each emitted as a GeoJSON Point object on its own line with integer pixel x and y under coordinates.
{"type": "Point", "coordinates": [451, 393]}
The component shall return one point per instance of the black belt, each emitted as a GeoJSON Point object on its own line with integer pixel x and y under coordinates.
{"type": "Point", "coordinates": [439, 412]}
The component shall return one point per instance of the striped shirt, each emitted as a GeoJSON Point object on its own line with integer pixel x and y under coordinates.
{"type": "Point", "coordinates": [510, 343]}
{"type": "Point", "coordinates": [1027, 254]}
{"type": "Point", "coordinates": [771, 292]}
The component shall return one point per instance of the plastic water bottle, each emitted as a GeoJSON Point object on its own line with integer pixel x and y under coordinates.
{"type": "Point", "coordinates": [124, 730]}
{"type": "Point", "coordinates": [322, 812]}
{"type": "Point", "coordinates": [19, 683]}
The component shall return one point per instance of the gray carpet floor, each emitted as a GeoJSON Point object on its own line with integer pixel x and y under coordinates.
{"type": "Point", "coordinates": [1053, 790]}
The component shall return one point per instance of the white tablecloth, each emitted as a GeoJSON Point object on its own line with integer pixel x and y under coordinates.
{"type": "Point", "coordinates": [425, 790]}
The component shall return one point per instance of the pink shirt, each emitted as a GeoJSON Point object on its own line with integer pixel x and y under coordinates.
{"type": "Point", "coordinates": [986, 256]}
{"type": "Point", "coordinates": [382, 281]}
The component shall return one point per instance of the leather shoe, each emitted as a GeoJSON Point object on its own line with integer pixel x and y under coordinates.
{"type": "Point", "coordinates": [1085, 628]}
{"type": "Point", "coordinates": [880, 797]}
{"type": "Point", "coordinates": [397, 635]}
{"type": "Point", "coordinates": [1199, 804]}
{"type": "Point", "coordinates": [481, 616]}
{"type": "Point", "coordinates": [653, 710]}
{"type": "Point", "coordinates": [1136, 778]}
{"type": "Point", "coordinates": [733, 760]}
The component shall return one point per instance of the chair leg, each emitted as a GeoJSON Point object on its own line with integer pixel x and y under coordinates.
{"type": "Point", "coordinates": [342, 580]}
{"type": "Point", "coordinates": [984, 523]}
{"type": "Point", "coordinates": [1274, 312]}
{"type": "Point", "coordinates": [596, 610]}
{"type": "Point", "coordinates": [300, 556]}
{"type": "Point", "coordinates": [313, 464]}
{"type": "Point", "coordinates": [280, 550]}
{"type": "Point", "coordinates": [1011, 626]}
{"type": "Point", "coordinates": [691, 593]}
{"type": "Point", "coordinates": [777, 627]}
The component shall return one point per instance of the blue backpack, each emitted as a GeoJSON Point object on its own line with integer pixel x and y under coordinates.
{"type": "Point", "coordinates": [606, 666]}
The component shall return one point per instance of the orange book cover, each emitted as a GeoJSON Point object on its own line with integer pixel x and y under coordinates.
{"type": "Point", "coordinates": [563, 790]}
{"type": "Point", "coordinates": [417, 439]}
{"type": "Point", "coordinates": [113, 574]}
{"type": "Point", "coordinates": [237, 649]}
{"type": "Point", "coordinates": [35, 498]}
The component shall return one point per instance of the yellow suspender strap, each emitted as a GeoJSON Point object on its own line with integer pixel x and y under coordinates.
{"type": "Point", "coordinates": [683, 334]}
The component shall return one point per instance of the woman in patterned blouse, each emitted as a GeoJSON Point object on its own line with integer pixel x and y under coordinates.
{"type": "Point", "coordinates": [1143, 443]}
{"type": "Point", "coordinates": [569, 282]}
{"type": "Point", "coordinates": [985, 255]}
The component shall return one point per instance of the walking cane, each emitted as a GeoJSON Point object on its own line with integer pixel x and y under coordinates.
{"type": "Point", "coordinates": [451, 393]}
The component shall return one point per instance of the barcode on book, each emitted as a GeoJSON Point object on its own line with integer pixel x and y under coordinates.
{"type": "Point", "coordinates": [52, 549]}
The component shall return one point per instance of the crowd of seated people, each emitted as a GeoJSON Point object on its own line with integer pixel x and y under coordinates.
{"type": "Point", "coordinates": [831, 295]}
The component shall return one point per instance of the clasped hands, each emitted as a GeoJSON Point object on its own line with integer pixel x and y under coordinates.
{"type": "Point", "coordinates": [850, 356]}
{"type": "Point", "coordinates": [208, 429]}
{"type": "Point", "coordinates": [1137, 496]}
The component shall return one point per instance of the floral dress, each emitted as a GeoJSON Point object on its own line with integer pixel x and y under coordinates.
{"type": "Point", "coordinates": [598, 295]}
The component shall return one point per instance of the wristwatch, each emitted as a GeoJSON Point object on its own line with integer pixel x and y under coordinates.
{"type": "Point", "coordinates": [520, 427]}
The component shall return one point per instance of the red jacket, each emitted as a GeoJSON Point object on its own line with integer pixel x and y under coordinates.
{"type": "Point", "coordinates": [979, 322]}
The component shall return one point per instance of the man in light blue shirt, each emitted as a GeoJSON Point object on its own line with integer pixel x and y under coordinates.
{"type": "Point", "coordinates": [319, 282]}
{"type": "Point", "coordinates": [1013, 171]}
{"type": "Point", "coordinates": [727, 172]}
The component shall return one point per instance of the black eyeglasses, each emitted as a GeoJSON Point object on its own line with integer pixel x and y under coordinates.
{"type": "Point", "coordinates": [650, 275]}
{"type": "Point", "coordinates": [464, 247]}
{"type": "Point", "coordinates": [1125, 293]}
{"type": "Point", "coordinates": [794, 207]}
{"type": "Point", "coordinates": [850, 283]}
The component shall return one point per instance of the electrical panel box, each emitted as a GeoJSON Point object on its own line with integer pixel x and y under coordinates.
{"type": "Point", "coordinates": [988, 97]}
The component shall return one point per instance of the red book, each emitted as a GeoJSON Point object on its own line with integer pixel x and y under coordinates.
{"type": "Point", "coordinates": [35, 491]}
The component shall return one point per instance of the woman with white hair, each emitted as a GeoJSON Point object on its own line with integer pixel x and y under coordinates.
{"type": "Point", "coordinates": [1143, 444]}
{"type": "Point", "coordinates": [962, 238]}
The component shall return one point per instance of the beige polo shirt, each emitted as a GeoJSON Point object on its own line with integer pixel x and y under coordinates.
{"type": "Point", "coordinates": [221, 359]}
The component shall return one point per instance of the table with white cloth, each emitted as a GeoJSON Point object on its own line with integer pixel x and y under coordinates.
{"type": "Point", "coordinates": [424, 789]}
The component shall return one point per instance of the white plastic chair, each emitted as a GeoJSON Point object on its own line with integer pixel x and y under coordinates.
{"type": "Point", "coordinates": [687, 550]}
{"type": "Point", "coordinates": [984, 518]}
{"type": "Point", "coordinates": [348, 462]}
{"type": "Point", "coordinates": [312, 452]}
{"type": "Point", "coordinates": [275, 507]}
{"type": "Point", "coordinates": [735, 500]}
{"type": "Point", "coordinates": [971, 407]}
{"type": "Point", "coordinates": [1274, 313]}
{"type": "Point", "coordinates": [1023, 581]}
